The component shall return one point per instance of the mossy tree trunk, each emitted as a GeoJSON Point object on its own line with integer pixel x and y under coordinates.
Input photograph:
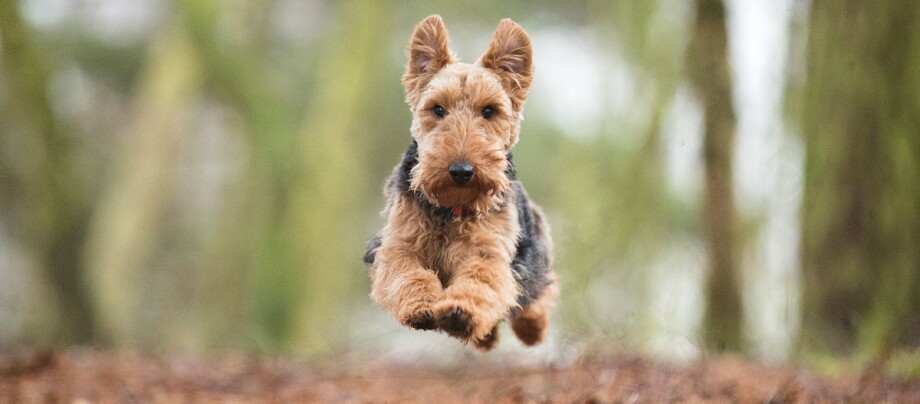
{"type": "Point", "coordinates": [324, 218]}
{"type": "Point", "coordinates": [234, 294]}
{"type": "Point", "coordinates": [861, 213]}
{"type": "Point", "coordinates": [301, 217]}
{"type": "Point", "coordinates": [54, 227]}
{"type": "Point", "coordinates": [709, 73]}
{"type": "Point", "coordinates": [131, 212]}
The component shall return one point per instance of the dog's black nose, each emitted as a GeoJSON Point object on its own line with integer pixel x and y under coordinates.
{"type": "Point", "coordinates": [461, 171]}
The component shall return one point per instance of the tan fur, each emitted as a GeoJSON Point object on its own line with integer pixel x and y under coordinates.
{"type": "Point", "coordinates": [425, 269]}
{"type": "Point", "coordinates": [531, 323]}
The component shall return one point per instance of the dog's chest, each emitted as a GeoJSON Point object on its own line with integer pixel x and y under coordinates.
{"type": "Point", "coordinates": [448, 245]}
{"type": "Point", "coordinates": [440, 248]}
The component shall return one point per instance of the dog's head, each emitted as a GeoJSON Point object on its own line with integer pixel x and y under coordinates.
{"type": "Point", "coordinates": [465, 117]}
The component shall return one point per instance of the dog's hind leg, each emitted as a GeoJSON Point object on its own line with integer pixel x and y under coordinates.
{"type": "Point", "coordinates": [531, 322]}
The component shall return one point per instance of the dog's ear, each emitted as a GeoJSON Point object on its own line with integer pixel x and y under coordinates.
{"type": "Point", "coordinates": [428, 53]}
{"type": "Point", "coordinates": [510, 57]}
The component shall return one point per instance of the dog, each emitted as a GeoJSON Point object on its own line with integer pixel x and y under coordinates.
{"type": "Point", "coordinates": [464, 248]}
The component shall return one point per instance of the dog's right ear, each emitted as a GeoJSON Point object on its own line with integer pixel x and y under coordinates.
{"type": "Point", "coordinates": [428, 53]}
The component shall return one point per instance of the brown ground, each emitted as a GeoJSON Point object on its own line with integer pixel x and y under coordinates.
{"type": "Point", "coordinates": [77, 376]}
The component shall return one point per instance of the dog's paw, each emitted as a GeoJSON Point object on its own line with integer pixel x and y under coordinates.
{"type": "Point", "coordinates": [455, 321]}
{"type": "Point", "coordinates": [420, 320]}
{"type": "Point", "coordinates": [487, 342]}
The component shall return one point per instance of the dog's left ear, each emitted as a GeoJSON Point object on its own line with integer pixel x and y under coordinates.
{"type": "Point", "coordinates": [510, 56]}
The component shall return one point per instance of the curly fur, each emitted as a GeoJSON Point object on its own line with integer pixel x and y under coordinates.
{"type": "Point", "coordinates": [462, 258]}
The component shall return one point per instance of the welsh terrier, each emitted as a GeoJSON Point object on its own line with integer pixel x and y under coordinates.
{"type": "Point", "coordinates": [464, 247]}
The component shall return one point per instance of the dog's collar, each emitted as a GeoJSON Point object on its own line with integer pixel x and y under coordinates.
{"type": "Point", "coordinates": [444, 214]}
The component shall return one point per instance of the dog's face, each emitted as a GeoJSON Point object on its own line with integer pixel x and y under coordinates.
{"type": "Point", "coordinates": [466, 117]}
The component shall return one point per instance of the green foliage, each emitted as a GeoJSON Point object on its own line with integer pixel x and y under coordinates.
{"type": "Point", "coordinates": [209, 180]}
{"type": "Point", "coordinates": [275, 263]}
{"type": "Point", "coordinates": [905, 365]}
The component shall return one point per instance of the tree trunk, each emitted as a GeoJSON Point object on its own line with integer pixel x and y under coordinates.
{"type": "Point", "coordinates": [321, 220]}
{"type": "Point", "coordinates": [131, 212]}
{"type": "Point", "coordinates": [709, 72]}
{"type": "Point", "coordinates": [51, 214]}
{"type": "Point", "coordinates": [861, 213]}
{"type": "Point", "coordinates": [235, 294]}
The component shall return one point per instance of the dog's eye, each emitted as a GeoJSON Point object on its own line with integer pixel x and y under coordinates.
{"type": "Point", "coordinates": [487, 112]}
{"type": "Point", "coordinates": [439, 111]}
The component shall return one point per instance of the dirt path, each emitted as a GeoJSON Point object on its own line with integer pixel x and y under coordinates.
{"type": "Point", "coordinates": [91, 376]}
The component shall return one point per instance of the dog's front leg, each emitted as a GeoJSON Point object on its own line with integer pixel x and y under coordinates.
{"type": "Point", "coordinates": [481, 292]}
{"type": "Point", "coordinates": [403, 287]}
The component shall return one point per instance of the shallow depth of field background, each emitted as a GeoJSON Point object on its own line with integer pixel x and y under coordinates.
{"type": "Point", "coordinates": [201, 175]}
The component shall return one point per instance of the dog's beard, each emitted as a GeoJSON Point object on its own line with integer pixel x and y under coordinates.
{"type": "Point", "coordinates": [483, 193]}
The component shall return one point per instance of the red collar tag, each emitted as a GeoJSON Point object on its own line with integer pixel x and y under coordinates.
{"type": "Point", "coordinates": [458, 210]}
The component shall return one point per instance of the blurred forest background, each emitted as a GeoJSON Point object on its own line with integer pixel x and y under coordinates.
{"type": "Point", "coordinates": [198, 175]}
